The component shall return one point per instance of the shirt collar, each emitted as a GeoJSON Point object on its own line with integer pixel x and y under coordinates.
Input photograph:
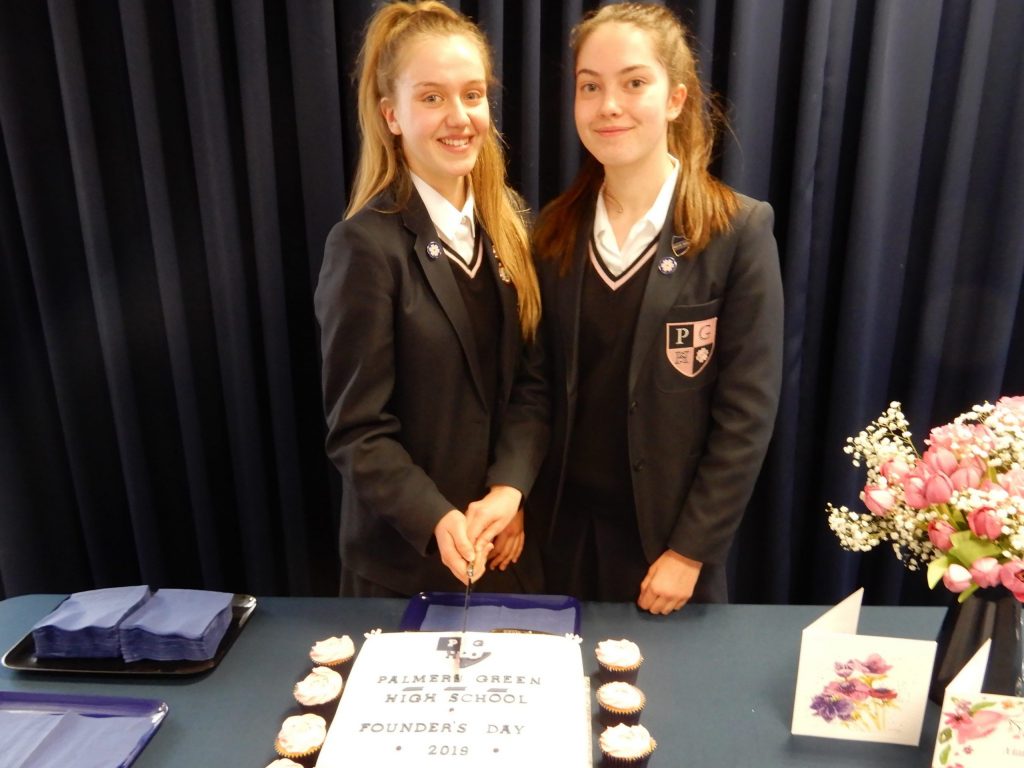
{"type": "Point", "coordinates": [653, 220]}
{"type": "Point", "coordinates": [446, 217]}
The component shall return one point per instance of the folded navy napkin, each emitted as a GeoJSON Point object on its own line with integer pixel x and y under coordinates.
{"type": "Point", "coordinates": [177, 624]}
{"type": "Point", "coordinates": [86, 623]}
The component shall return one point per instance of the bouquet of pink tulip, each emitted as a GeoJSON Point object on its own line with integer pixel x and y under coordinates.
{"type": "Point", "coordinates": [957, 509]}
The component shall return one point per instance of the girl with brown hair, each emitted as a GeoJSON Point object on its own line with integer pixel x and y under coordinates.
{"type": "Point", "coordinates": [663, 329]}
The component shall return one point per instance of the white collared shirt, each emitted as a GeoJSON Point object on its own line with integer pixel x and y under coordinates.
{"type": "Point", "coordinates": [646, 228]}
{"type": "Point", "coordinates": [457, 228]}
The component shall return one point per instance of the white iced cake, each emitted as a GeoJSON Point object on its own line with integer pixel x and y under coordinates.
{"type": "Point", "coordinates": [512, 700]}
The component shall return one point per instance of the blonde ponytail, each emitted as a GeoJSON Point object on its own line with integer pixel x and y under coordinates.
{"type": "Point", "coordinates": [382, 166]}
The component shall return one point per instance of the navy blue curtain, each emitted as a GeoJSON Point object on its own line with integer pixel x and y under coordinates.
{"type": "Point", "coordinates": [168, 173]}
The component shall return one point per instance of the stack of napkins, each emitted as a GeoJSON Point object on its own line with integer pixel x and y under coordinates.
{"type": "Point", "coordinates": [86, 624]}
{"type": "Point", "coordinates": [133, 623]}
{"type": "Point", "coordinates": [177, 624]}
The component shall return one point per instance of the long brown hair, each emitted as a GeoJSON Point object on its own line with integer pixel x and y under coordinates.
{"type": "Point", "coordinates": [704, 205]}
{"type": "Point", "coordinates": [381, 163]}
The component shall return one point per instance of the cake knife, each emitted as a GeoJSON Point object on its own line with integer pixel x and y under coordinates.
{"type": "Point", "coordinates": [465, 612]}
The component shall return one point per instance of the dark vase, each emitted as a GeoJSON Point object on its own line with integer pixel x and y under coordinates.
{"type": "Point", "coordinates": [988, 614]}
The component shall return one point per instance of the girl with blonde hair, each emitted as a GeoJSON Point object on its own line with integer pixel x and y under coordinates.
{"type": "Point", "coordinates": [428, 305]}
{"type": "Point", "coordinates": [663, 325]}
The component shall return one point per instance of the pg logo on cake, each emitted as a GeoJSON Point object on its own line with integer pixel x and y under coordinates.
{"type": "Point", "coordinates": [689, 346]}
{"type": "Point", "coordinates": [474, 653]}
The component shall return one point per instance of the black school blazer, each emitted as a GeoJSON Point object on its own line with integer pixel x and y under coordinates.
{"type": "Point", "coordinates": [696, 442]}
{"type": "Point", "coordinates": [408, 426]}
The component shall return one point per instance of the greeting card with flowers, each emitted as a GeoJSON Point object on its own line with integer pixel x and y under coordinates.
{"type": "Point", "coordinates": [860, 687]}
{"type": "Point", "coordinates": [976, 729]}
{"type": "Point", "coordinates": [957, 509]}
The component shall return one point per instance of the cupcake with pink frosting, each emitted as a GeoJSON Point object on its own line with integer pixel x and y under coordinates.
{"type": "Point", "coordinates": [626, 746]}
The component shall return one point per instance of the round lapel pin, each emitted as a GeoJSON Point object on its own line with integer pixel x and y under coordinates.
{"type": "Point", "coordinates": [667, 265]}
{"type": "Point", "coordinates": [433, 249]}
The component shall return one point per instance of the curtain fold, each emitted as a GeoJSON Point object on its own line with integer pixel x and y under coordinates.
{"type": "Point", "coordinates": [179, 295]}
{"type": "Point", "coordinates": [169, 172]}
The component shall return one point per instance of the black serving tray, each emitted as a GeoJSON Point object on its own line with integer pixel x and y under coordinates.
{"type": "Point", "coordinates": [22, 655]}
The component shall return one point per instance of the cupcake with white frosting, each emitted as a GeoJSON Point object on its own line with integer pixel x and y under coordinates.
{"type": "Point", "coordinates": [620, 703]}
{"type": "Point", "coordinates": [334, 652]}
{"type": "Point", "coordinates": [284, 762]}
{"type": "Point", "coordinates": [300, 738]}
{"type": "Point", "coordinates": [619, 660]}
{"type": "Point", "coordinates": [319, 691]}
{"type": "Point", "coordinates": [626, 746]}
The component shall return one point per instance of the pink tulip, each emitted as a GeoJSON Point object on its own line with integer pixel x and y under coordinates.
{"type": "Point", "coordinates": [1013, 481]}
{"type": "Point", "coordinates": [985, 522]}
{"type": "Point", "coordinates": [968, 474]}
{"type": "Point", "coordinates": [893, 470]}
{"type": "Point", "coordinates": [913, 488]}
{"type": "Point", "coordinates": [939, 532]}
{"type": "Point", "coordinates": [877, 499]}
{"type": "Point", "coordinates": [938, 489]}
{"type": "Point", "coordinates": [948, 434]}
{"type": "Point", "coordinates": [982, 438]}
{"type": "Point", "coordinates": [940, 459]}
{"type": "Point", "coordinates": [957, 578]}
{"type": "Point", "coordinates": [1012, 403]}
{"type": "Point", "coordinates": [1012, 577]}
{"type": "Point", "coordinates": [985, 572]}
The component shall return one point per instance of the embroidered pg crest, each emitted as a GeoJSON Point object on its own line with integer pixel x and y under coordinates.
{"type": "Point", "coordinates": [689, 346]}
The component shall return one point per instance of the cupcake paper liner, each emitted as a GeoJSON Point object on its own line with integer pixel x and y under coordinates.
{"type": "Point", "coordinates": [306, 759]}
{"type": "Point", "coordinates": [619, 674]}
{"type": "Point", "coordinates": [609, 717]}
{"type": "Point", "coordinates": [640, 761]}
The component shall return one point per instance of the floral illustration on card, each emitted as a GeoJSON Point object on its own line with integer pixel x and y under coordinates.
{"type": "Point", "coordinates": [969, 728]}
{"type": "Point", "coordinates": [857, 697]}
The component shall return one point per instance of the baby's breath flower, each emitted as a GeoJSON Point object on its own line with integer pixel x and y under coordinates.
{"type": "Point", "coordinates": [990, 434]}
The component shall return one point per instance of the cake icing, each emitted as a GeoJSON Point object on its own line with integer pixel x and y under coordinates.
{"type": "Point", "coordinates": [511, 698]}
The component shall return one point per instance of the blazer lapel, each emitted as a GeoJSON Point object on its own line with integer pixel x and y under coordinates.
{"type": "Point", "coordinates": [442, 283]}
{"type": "Point", "coordinates": [659, 295]}
{"type": "Point", "coordinates": [509, 349]}
{"type": "Point", "coordinates": [569, 297]}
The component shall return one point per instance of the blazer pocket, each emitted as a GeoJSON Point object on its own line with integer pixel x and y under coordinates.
{"type": "Point", "coordinates": [686, 359]}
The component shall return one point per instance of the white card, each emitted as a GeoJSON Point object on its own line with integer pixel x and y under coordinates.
{"type": "Point", "coordinates": [860, 687]}
{"type": "Point", "coordinates": [978, 730]}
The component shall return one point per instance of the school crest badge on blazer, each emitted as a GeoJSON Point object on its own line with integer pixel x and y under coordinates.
{"type": "Point", "coordinates": [689, 346]}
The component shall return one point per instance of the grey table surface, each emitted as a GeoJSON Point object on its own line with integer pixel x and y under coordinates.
{"type": "Point", "coordinates": [719, 681]}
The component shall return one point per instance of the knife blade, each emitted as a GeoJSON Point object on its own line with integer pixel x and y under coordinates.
{"type": "Point", "coordinates": [465, 612]}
